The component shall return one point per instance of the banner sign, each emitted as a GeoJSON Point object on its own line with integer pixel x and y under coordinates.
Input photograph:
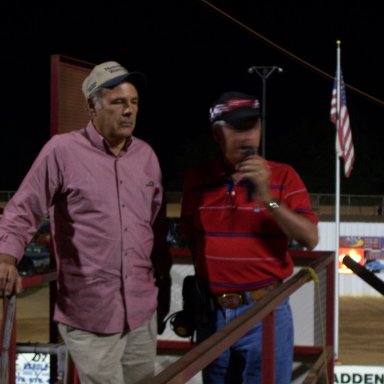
{"type": "Point", "coordinates": [358, 374]}
{"type": "Point", "coordinates": [32, 368]}
{"type": "Point", "coordinates": [365, 250]}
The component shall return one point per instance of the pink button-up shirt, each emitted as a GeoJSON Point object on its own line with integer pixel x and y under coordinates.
{"type": "Point", "coordinates": [101, 209]}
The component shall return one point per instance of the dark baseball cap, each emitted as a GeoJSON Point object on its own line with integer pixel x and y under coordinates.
{"type": "Point", "coordinates": [233, 107]}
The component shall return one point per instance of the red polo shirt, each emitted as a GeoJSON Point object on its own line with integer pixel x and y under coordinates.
{"type": "Point", "coordinates": [238, 245]}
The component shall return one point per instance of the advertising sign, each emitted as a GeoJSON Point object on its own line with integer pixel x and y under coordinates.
{"type": "Point", "coordinates": [358, 374]}
{"type": "Point", "coordinates": [32, 368]}
{"type": "Point", "coordinates": [365, 250]}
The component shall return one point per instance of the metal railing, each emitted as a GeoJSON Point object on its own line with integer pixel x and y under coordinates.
{"type": "Point", "coordinates": [8, 327]}
{"type": "Point", "coordinates": [320, 358]}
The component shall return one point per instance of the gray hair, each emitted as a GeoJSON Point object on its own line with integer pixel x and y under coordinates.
{"type": "Point", "coordinates": [97, 98]}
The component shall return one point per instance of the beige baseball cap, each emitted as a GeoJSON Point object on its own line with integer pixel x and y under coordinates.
{"type": "Point", "coordinates": [109, 74]}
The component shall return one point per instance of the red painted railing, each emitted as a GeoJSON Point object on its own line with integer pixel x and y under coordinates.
{"type": "Point", "coordinates": [196, 357]}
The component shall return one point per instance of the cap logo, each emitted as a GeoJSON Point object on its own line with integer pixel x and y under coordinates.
{"type": "Point", "coordinates": [114, 68]}
{"type": "Point", "coordinates": [232, 104]}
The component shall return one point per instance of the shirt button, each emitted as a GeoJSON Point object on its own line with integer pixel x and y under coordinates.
{"type": "Point", "coordinates": [121, 181]}
{"type": "Point", "coordinates": [122, 205]}
{"type": "Point", "coordinates": [125, 229]}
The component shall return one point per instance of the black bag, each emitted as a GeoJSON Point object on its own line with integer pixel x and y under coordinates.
{"type": "Point", "coordinates": [197, 302]}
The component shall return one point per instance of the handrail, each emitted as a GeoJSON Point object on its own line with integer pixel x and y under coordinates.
{"type": "Point", "coordinates": [202, 354]}
{"type": "Point", "coordinates": [7, 339]}
{"type": "Point", "coordinates": [8, 327]}
{"type": "Point", "coordinates": [364, 274]}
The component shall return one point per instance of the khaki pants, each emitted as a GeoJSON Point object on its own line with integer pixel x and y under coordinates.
{"type": "Point", "coordinates": [112, 359]}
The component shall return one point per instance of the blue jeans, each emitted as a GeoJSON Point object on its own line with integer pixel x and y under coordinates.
{"type": "Point", "coordinates": [241, 363]}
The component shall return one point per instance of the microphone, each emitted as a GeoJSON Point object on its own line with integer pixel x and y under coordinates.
{"type": "Point", "coordinates": [264, 70]}
{"type": "Point", "coordinates": [248, 152]}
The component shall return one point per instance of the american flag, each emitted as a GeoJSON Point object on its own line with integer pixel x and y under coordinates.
{"type": "Point", "coordinates": [344, 144]}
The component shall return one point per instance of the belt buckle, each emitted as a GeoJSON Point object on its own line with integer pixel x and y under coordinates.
{"type": "Point", "coordinates": [230, 300]}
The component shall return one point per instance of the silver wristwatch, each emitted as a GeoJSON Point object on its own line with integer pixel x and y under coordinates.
{"type": "Point", "coordinates": [273, 204]}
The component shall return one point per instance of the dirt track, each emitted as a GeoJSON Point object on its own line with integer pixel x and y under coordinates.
{"type": "Point", "coordinates": [361, 331]}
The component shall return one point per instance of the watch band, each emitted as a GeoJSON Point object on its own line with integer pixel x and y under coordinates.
{"type": "Point", "coordinates": [273, 204]}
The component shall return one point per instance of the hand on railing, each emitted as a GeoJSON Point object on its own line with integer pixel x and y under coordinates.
{"type": "Point", "coordinates": [10, 280]}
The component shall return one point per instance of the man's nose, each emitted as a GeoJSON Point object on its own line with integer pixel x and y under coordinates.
{"type": "Point", "coordinates": [127, 109]}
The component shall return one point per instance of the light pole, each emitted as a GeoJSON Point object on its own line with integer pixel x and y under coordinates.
{"type": "Point", "coordinates": [264, 72]}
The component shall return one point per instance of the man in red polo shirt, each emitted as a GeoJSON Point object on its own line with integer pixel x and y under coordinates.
{"type": "Point", "coordinates": [239, 214]}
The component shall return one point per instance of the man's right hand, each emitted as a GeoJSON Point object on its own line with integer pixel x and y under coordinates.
{"type": "Point", "coordinates": [10, 280]}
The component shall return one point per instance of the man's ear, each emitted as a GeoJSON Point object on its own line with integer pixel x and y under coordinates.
{"type": "Point", "coordinates": [90, 104]}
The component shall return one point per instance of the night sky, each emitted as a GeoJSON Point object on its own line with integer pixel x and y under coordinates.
{"type": "Point", "coordinates": [191, 53]}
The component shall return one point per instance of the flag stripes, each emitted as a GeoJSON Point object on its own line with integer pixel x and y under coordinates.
{"type": "Point", "coordinates": [344, 143]}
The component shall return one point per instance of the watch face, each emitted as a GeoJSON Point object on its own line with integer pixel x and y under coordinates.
{"type": "Point", "coordinates": [274, 204]}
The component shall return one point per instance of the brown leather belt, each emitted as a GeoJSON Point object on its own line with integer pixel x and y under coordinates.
{"type": "Point", "coordinates": [235, 299]}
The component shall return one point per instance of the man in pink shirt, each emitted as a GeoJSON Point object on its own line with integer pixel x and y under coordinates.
{"type": "Point", "coordinates": [101, 188]}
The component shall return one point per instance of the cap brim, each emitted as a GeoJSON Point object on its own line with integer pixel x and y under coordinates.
{"type": "Point", "coordinates": [237, 116]}
{"type": "Point", "coordinates": [136, 78]}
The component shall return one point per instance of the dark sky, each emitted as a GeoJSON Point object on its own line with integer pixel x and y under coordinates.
{"type": "Point", "coordinates": [190, 54]}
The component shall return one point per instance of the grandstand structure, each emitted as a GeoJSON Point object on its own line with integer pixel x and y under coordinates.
{"type": "Point", "coordinates": [362, 208]}
{"type": "Point", "coordinates": [352, 207]}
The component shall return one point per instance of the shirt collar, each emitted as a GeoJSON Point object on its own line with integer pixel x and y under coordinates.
{"type": "Point", "coordinates": [98, 140]}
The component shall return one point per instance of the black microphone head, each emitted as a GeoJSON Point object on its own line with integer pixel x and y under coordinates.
{"type": "Point", "coordinates": [249, 151]}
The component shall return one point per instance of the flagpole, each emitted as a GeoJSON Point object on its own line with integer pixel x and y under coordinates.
{"type": "Point", "coordinates": [337, 206]}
